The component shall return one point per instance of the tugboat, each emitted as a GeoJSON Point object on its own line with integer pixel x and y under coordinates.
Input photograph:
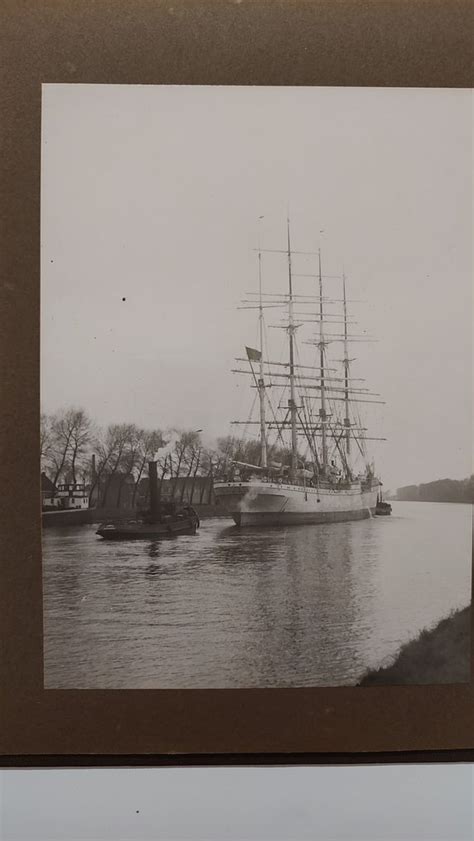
{"type": "Point", "coordinates": [164, 519]}
{"type": "Point", "coordinates": [382, 509]}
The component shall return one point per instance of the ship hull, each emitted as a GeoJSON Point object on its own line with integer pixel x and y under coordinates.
{"type": "Point", "coordinates": [268, 504]}
{"type": "Point", "coordinates": [150, 531]}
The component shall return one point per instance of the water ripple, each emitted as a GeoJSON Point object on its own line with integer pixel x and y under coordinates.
{"type": "Point", "coordinates": [302, 606]}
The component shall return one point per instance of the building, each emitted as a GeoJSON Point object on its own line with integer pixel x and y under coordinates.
{"type": "Point", "coordinates": [49, 500]}
{"type": "Point", "coordinates": [115, 490]}
{"type": "Point", "coordinates": [193, 490]}
{"type": "Point", "coordinates": [66, 496]}
{"type": "Point", "coordinates": [72, 495]}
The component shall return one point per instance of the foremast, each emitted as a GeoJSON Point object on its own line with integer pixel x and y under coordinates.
{"type": "Point", "coordinates": [261, 380]}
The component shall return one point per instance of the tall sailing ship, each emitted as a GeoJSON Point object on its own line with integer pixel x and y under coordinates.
{"type": "Point", "coordinates": [328, 475]}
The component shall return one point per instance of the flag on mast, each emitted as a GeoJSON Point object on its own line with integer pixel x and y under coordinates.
{"type": "Point", "coordinates": [253, 354]}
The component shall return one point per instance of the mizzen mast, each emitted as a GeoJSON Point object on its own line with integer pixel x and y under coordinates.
{"type": "Point", "coordinates": [322, 411]}
{"type": "Point", "coordinates": [291, 334]}
{"type": "Point", "coordinates": [346, 362]}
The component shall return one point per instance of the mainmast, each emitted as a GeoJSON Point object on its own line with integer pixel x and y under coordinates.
{"type": "Point", "coordinates": [322, 411]}
{"type": "Point", "coordinates": [292, 400]}
{"type": "Point", "coordinates": [261, 381]}
{"type": "Point", "coordinates": [346, 361]}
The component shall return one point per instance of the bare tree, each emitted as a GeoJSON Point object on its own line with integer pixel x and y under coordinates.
{"type": "Point", "coordinates": [118, 438]}
{"type": "Point", "coordinates": [149, 443]}
{"type": "Point", "coordinates": [185, 449]}
{"type": "Point", "coordinates": [80, 441]}
{"type": "Point", "coordinates": [192, 463]}
{"type": "Point", "coordinates": [230, 449]}
{"type": "Point", "coordinates": [102, 456]}
{"type": "Point", "coordinates": [70, 433]}
{"type": "Point", "coordinates": [45, 440]}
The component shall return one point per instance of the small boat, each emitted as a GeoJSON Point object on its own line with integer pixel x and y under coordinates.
{"type": "Point", "coordinates": [171, 526]}
{"type": "Point", "coordinates": [382, 509]}
{"type": "Point", "coordinates": [164, 519]}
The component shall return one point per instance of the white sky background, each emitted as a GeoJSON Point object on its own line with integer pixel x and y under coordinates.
{"type": "Point", "coordinates": [153, 194]}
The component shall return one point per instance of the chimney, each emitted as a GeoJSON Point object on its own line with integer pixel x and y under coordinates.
{"type": "Point", "coordinates": [93, 470]}
{"type": "Point", "coordinates": [153, 489]}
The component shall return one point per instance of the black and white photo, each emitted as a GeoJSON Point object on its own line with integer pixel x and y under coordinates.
{"type": "Point", "coordinates": [256, 386]}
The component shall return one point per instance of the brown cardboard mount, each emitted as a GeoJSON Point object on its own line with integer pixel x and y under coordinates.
{"type": "Point", "coordinates": [426, 43]}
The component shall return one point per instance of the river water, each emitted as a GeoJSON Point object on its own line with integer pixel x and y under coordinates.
{"type": "Point", "coordinates": [299, 606]}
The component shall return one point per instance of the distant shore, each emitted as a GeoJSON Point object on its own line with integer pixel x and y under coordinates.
{"type": "Point", "coordinates": [438, 655]}
{"type": "Point", "coordinates": [441, 490]}
{"type": "Point", "coordinates": [435, 501]}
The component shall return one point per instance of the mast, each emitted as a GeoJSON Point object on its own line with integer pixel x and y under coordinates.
{"type": "Point", "coordinates": [322, 411]}
{"type": "Point", "coordinates": [261, 382]}
{"type": "Point", "coordinates": [347, 421]}
{"type": "Point", "coordinates": [292, 400]}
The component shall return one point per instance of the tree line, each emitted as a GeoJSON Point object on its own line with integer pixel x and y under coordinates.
{"type": "Point", "coordinates": [442, 490]}
{"type": "Point", "coordinates": [74, 449]}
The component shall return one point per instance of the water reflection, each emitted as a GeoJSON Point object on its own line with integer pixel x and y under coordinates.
{"type": "Point", "coordinates": [154, 549]}
{"type": "Point", "coordinates": [299, 594]}
{"type": "Point", "coordinates": [302, 606]}
{"type": "Point", "coordinates": [153, 569]}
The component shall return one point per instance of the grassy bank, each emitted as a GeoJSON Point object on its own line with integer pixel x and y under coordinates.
{"type": "Point", "coordinates": [438, 655]}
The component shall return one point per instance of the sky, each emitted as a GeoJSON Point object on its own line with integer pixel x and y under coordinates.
{"type": "Point", "coordinates": [151, 206]}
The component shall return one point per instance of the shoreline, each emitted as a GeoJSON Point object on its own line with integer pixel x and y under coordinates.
{"type": "Point", "coordinates": [91, 516]}
{"type": "Point", "coordinates": [440, 654]}
{"type": "Point", "coordinates": [432, 501]}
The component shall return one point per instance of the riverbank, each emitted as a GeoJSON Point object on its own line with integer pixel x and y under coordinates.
{"type": "Point", "coordinates": [441, 490]}
{"type": "Point", "coordinates": [438, 655]}
{"type": "Point", "coordinates": [84, 516]}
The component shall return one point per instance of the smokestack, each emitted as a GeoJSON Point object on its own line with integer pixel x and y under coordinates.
{"type": "Point", "coordinates": [154, 495]}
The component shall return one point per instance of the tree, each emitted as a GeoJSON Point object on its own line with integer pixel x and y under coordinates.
{"type": "Point", "coordinates": [441, 490]}
{"type": "Point", "coordinates": [195, 473]}
{"type": "Point", "coordinates": [191, 445]}
{"type": "Point", "coordinates": [45, 440]}
{"type": "Point", "coordinates": [70, 436]}
{"type": "Point", "coordinates": [470, 489]}
{"type": "Point", "coordinates": [149, 443]}
{"type": "Point", "coordinates": [117, 450]}
{"type": "Point", "coordinates": [80, 441]}
{"type": "Point", "coordinates": [231, 449]}
{"type": "Point", "coordinates": [123, 451]}
{"type": "Point", "coordinates": [180, 453]}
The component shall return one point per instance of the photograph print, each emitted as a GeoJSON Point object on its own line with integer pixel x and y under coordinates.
{"type": "Point", "coordinates": [256, 380]}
